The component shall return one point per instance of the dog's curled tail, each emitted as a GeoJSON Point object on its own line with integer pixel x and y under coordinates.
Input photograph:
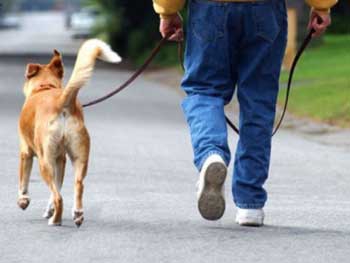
{"type": "Point", "coordinates": [89, 52]}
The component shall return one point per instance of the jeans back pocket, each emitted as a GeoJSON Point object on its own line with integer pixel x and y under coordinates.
{"type": "Point", "coordinates": [207, 19]}
{"type": "Point", "coordinates": [266, 23]}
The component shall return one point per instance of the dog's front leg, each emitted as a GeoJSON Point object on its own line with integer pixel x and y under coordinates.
{"type": "Point", "coordinates": [25, 168]}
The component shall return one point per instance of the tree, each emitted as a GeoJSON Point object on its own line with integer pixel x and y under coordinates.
{"type": "Point", "coordinates": [5, 6]}
{"type": "Point", "coordinates": [131, 27]}
{"type": "Point", "coordinates": [341, 18]}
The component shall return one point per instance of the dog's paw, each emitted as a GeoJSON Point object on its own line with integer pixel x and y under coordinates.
{"type": "Point", "coordinates": [54, 223]}
{"type": "Point", "coordinates": [78, 217]}
{"type": "Point", "coordinates": [23, 201]}
{"type": "Point", "coordinates": [48, 213]}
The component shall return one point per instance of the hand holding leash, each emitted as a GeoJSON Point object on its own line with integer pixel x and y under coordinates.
{"type": "Point", "coordinates": [171, 24]}
{"type": "Point", "coordinates": [319, 22]}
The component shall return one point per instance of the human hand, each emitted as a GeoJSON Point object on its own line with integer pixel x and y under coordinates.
{"type": "Point", "coordinates": [172, 24]}
{"type": "Point", "coordinates": [319, 22]}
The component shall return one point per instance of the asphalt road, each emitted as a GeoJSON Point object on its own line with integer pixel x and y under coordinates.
{"type": "Point", "coordinates": [39, 33]}
{"type": "Point", "coordinates": [140, 200]}
{"type": "Point", "coordinates": [140, 203]}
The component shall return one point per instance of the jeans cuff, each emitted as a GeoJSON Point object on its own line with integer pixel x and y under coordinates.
{"type": "Point", "coordinates": [250, 206]}
{"type": "Point", "coordinates": [200, 165]}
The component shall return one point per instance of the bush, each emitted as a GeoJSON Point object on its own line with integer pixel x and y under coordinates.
{"type": "Point", "coordinates": [341, 18]}
{"type": "Point", "coordinates": [131, 28]}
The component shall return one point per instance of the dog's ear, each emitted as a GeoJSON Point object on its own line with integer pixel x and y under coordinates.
{"type": "Point", "coordinates": [56, 53]}
{"type": "Point", "coordinates": [56, 64]}
{"type": "Point", "coordinates": [32, 70]}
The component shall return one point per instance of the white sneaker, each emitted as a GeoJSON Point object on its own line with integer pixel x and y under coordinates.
{"type": "Point", "coordinates": [250, 217]}
{"type": "Point", "coordinates": [211, 199]}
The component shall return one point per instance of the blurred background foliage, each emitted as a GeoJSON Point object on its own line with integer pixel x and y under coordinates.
{"type": "Point", "coordinates": [5, 6]}
{"type": "Point", "coordinates": [341, 18]}
{"type": "Point", "coordinates": [132, 29]}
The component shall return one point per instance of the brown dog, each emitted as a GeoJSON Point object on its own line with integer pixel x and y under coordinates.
{"type": "Point", "coordinates": [51, 126]}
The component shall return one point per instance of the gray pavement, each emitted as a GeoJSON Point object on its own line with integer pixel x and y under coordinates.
{"type": "Point", "coordinates": [140, 191]}
{"type": "Point", "coordinates": [140, 202]}
{"type": "Point", "coordinates": [39, 33]}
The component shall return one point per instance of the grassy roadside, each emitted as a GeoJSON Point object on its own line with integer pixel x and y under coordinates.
{"type": "Point", "coordinates": [322, 83]}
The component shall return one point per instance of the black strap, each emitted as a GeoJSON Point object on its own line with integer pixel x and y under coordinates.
{"type": "Point", "coordinates": [300, 52]}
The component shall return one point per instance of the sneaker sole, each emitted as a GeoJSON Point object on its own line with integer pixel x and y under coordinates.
{"type": "Point", "coordinates": [250, 224]}
{"type": "Point", "coordinates": [253, 222]}
{"type": "Point", "coordinates": [211, 203]}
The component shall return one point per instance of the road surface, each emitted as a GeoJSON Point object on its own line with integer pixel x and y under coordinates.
{"type": "Point", "coordinates": [39, 33]}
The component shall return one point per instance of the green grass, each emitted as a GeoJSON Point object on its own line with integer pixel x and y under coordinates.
{"type": "Point", "coordinates": [322, 83]}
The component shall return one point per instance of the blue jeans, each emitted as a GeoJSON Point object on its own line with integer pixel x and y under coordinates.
{"type": "Point", "coordinates": [233, 45]}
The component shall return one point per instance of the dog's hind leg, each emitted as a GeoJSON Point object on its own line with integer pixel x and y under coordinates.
{"type": "Point", "coordinates": [47, 171]}
{"type": "Point", "coordinates": [49, 210]}
{"type": "Point", "coordinates": [25, 168]}
{"type": "Point", "coordinates": [80, 168]}
{"type": "Point", "coordinates": [80, 157]}
{"type": "Point", "coordinates": [59, 177]}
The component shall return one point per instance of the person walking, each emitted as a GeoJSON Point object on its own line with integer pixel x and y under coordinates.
{"type": "Point", "coordinates": [233, 44]}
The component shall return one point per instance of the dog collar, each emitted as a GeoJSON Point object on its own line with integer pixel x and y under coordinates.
{"type": "Point", "coordinates": [43, 87]}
